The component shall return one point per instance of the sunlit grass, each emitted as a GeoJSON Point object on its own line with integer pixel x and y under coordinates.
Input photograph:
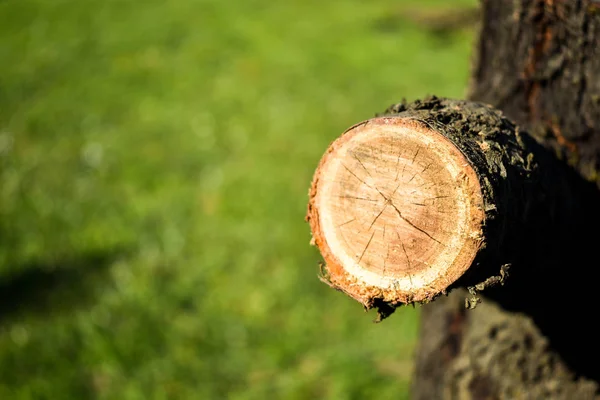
{"type": "Point", "coordinates": [165, 149]}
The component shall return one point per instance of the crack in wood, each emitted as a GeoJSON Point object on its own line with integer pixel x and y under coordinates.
{"type": "Point", "coordinates": [366, 247]}
{"type": "Point", "coordinates": [413, 225]}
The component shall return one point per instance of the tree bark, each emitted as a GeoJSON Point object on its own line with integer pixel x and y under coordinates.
{"type": "Point", "coordinates": [539, 62]}
{"type": "Point", "coordinates": [535, 337]}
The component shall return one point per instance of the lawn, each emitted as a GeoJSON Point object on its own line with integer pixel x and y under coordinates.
{"type": "Point", "coordinates": [155, 158]}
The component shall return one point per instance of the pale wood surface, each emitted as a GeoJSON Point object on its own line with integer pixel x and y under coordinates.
{"type": "Point", "coordinates": [396, 210]}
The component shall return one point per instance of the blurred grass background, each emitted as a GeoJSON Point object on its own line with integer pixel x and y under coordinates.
{"type": "Point", "coordinates": [155, 158]}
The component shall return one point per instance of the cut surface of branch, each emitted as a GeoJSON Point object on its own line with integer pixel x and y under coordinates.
{"type": "Point", "coordinates": [396, 210]}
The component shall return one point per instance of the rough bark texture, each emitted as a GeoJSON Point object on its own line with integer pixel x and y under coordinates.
{"type": "Point", "coordinates": [539, 62]}
{"type": "Point", "coordinates": [488, 353]}
{"type": "Point", "coordinates": [535, 337]}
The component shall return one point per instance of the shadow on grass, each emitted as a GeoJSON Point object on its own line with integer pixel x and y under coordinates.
{"type": "Point", "coordinates": [47, 289]}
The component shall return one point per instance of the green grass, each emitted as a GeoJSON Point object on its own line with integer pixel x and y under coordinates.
{"type": "Point", "coordinates": [155, 159]}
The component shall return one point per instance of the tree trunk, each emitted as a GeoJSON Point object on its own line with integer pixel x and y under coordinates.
{"type": "Point", "coordinates": [535, 337]}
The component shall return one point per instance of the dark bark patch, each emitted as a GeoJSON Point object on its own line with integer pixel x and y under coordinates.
{"type": "Point", "coordinates": [454, 327]}
{"type": "Point", "coordinates": [481, 387]}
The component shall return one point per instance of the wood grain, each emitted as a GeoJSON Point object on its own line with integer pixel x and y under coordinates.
{"type": "Point", "coordinates": [396, 210]}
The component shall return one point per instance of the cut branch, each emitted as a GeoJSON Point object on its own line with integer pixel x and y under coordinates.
{"type": "Point", "coordinates": [456, 181]}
